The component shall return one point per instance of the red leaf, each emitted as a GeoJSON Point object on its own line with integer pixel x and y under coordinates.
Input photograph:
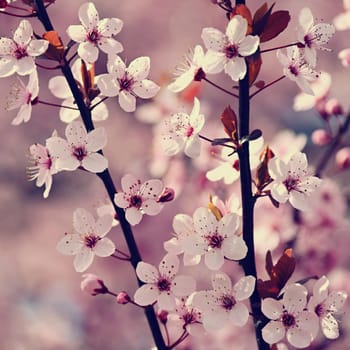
{"type": "Point", "coordinates": [229, 120]}
{"type": "Point", "coordinates": [254, 65]}
{"type": "Point", "coordinates": [55, 50]}
{"type": "Point", "coordinates": [276, 24]}
{"type": "Point", "coordinates": [261, 18]}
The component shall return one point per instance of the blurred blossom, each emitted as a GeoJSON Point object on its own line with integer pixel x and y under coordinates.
{"type": "Point", "coordinates": [342, 20]}
{"type": "Point", "coordinates": [342, 158]}
{"type": "Point", "coordinates": [344, 55]}
{"type": "Point", "coordinates": [93, 285]}
{"type": "Point", "coordinates": [321, 137]}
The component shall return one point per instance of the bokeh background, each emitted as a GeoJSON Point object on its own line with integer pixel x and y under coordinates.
{"type": "Point", "coordinates": [41, 304]}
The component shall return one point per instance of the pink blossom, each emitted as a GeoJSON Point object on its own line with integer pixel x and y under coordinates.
{"type": "Point", "coordinates": [93, 285]}
{"type": "Point", "coordinates": [344, 55]}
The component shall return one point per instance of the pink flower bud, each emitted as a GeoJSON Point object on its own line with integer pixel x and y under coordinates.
{"type": "Point", "coordinates": [123, 298]}
{"type": "Point", "coordinates": [321, 137]}
{"type": "Point", "coordinates": [321, 109]}
{"type": "Point", "coordinates": [344, 56]}
{"type": "Point", "coordinates": [333, 107]}
{"type": "Point", "coordinates": [167, 195]}
{"type": "Point", "coordinates": [93, 285]}
{"type": "Point", "coordinates": [342, 158]}
{"type": "Point", "coordinates": [163, 316]}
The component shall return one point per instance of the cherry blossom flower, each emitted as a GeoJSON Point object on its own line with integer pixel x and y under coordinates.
{"type": "Point", "coordinates": [181, 132]}
{"type": "Point", "coordinates": [139, 198]}
{"type": "Point", "coordinates": [43, 167]}
{"type": "Point", "coordinates": [296, 68]}
{"type": "Point", "coordinates": [163, 286]}
{"type": "Point", "coordinates": [59, 88]}
{"type": "Point", "coordinates": [94, 33]}
{"type": "Point", "coordinates": [290, 318]}
{"type": "Point", "coordinates": [320, 88]}
{"type": "Point", "coordinates": [93, 285]}
{"type": "Point", "coordinates": [192, 70]}
{"type": "Point", "coordinates": [23, 97]}
{"type": "Point", "coordinates": [227, 51]}
{"type": "Point", "coordinates": [223, 303]}
{"type": "Point", "coordinates": [17, 55]}
{"type": "Point", "coordinates": [291, 181]}
{"type": "Point", "coordinates": [313, 36]}
{"type": "Point", "coordinates": [342, 21]}
{"type": "Point", "coordinates": [344, 56]}
{"type": "Point", "coordinates": [127, 83]}
{"type": "Point", "coordinates": [326, 305]}
{"type": "Point", "coordinates": [88, 240]}
{"type": "Point", "coordinates": [228, 170]}
{"type": "Point", "coordinates": [80, 149]}
{"type": "Point", "coordinates": [215, 239]}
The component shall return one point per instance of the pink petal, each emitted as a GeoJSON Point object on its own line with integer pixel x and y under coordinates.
{"type": "Point", "coordinates": [147, 272]}
{"type": "Point", "coordinates": [83, 259]}
{"type": "Point", "coordinates": [133, 215]}
{"type": "Point", "coordinates": [151, 207]}
{"type": "Point", "coordinates": [103, 225]}
{"type": "Point", "coordinates": [96, 139]}
{"type": "Point", "coordinates": [151, 189]}
{"type": "Point", "coordinates": [273, 332]}
{"type": "Point", "coordinates": [130, 183]}
{"type": "Point", "coordinates": [70, 244]}
{"type": "Point", "coordinates": [221, 283]}
{"type": "Point", "coordinates": [95, 163]}
{"type": "Point", "coordinates": [294, 298]}
{"type": "Point", "coordinates": [76, 133]}
{"type": "Point", "coordinates": [244, 288]}
{"type": "Point", "coordinates": [166, 301]}
{"type": "Point", "coordinates": [146, 295]}
{"type": "Point", "coordinates": [139, 68]}
{"type": "Point", "coordinates": [271, 308]}
{"type": "Point", "coordinates": [239, 315]}
{"type": "Point", "coordinates": [83, 221]}
{"type": "Point", "coordinates": [169, 266]}
{"type": "Point", "coordinates": [183, 285]}
{"type": "Point", "coordinates": [120, 200]}
{"type": "Point", "coordinates": [214, 259]}
{"type": "Point", "coordinates": [104, 247]}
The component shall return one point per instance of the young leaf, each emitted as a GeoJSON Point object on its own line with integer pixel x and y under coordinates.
{"type": "Point", "coordinates": [261, 18]}
{"type": "Point", "coordinates": [254, 65]}
{"type": "Point", "coordinates": [276, 24]}
{"type": "Point", "coordinates": [55, 50]}
{"type": "Point", "coordinates": [229, 120]}
{"type": "Point", "coordinates": [262, 173]}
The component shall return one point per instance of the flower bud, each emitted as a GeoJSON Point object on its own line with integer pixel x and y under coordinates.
{"type": "Point", "coordinates": [342, 158]}
{"type": "Point", "coordinates": [167, 195]}
{"type": "Point", "coordinates": [321, 109]}
{"type": "Point", "coordinates": [123, 298]}
{"type": "Point", "coordinates": [93, 285]}
{"type": "Point", "coordinates": [163, 316]}
{"type": "Point", "coordinates": [321, 137]}
{"type": "Point", "coordinates": [333, 107]}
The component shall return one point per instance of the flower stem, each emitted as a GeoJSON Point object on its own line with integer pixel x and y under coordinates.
{"type": "Point", "coordinates": [267, 85]}
{"type": "Point", "coordinates": [332, 147]}
{"type": "Point", "coordinates": [56, 105]}
{"type": "Point", "coordinates": [219, 87]}
{"type": "Point", "coordinates": [278, 47]}
{"type": "Point", "coordinates": [248, 202]}
{"type": "Point", "coordinates": [106, 178]}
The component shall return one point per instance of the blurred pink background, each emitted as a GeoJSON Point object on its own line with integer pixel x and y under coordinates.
{"type": "Point", "coordinates": [41, 304]}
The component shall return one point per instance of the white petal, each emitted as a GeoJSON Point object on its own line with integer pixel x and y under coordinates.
{"type": "Point", "coordinates": [58, 147]}
{"type": "Point", "coordinates": [145, 88]}
{"type": "Point", "coordinates": [166, 301]}
{"type": "Point", "coordinates": [130, 183]}
{"type": "Point", "coordinates": [306, 19]}
{"type": "Point", "coordinates": [214, 259]}
{"type": "Point", "coordinates": [308, 321]}
{"type": "Point", "coordinates": [59, 87]}
{"type": "Point", "coordinates": [215, 320]}
{"type": "Point", "coordinates": [204, 221]}
{"type": "Point", "coordinates": [107, 85]}
{"type": "Point", "coordinates": [96, 139]}
{"type": "Point", "coordinates": [146, 295]}
{"type": "Point", "coordinates": [88, 52]}
{"type": "Point", "coordinates": [104, 247]}
{"type": "Point", "coordinates": [279, 192]}
{"type": "Point", "coordinates": [133, 215]}
{"type": "Point", "coordinates": [83, 221]}
{"type": "Point", "coordinates": [213, 39]}
{"type": "Point", "coordinates": [23, 33]}
{"type": "Point", "coordinates": [70, 244]}
{"type": "Point", "coordinates": [239, 315]}
{"type": "Point", "coordinates": [76, 133]}
{"type": "Point", "coordinates": [236, 68]}
{"type": "Point", "coordinates": [183, 285]}
{"type": "Point", "coordinates": [23, 114]}
{"type": "Point", "coordinates": [151, 189]}
{"type": "Point", "coordinates": [193, 147]}
{"type": "Point", "coordinates": [294, 298]}
{"type": "Point", "coordinates": [77, 33]}
{"type": "Point", "coordinates": [234, 248]}
{"type": "Point", "coordinates": [69, 164]}
{"type": "Point", "coordinates": [116, 65]}
{"type": "Point", "coordinates": [244, 288]}
{"type": "Point", "coordinates": [273, 332]}
{"type": "Point", "coordinates": [169, 265]}
{"type": "Point", "coordinates": [100, 112]}
{"type": "Point", "coordinates": [110, 46]}
{"type": "Point", "coordinates": [147, 272]}
{"type": "Point", "coordinates": [88, 15]}
{"type": "Point", "coordinates": [109, 26]}
{"type": "Point", "coordinates": [7, 66]}
{"type": "Point", "coordinates": [183, 224]}
{"type": "Point", "coordinates": [182, 81]}
{"type": "Point", "coordinates": [120, 200]}
{"type": "Point", "coordinates": [37, 47]}
{"type": "Point", "coordinates": [221, 283]}
{"type": "Point", "coordinates": [151, 207]}
{"type": "Point", "coordinates": [25, 65]}
{"type": "Point", "coordinates": [249, 45]}
{"type": "Point", "coordinates": [336, 300]}
{"type": "Point", "coordinates": [228, 224]}
{"type": "Point", "coordinates": [139, 68]}
{"type": "Point", "coordinates": [236, 29]}
{"type": "Point", "coordinates": [127, 101]}
{"type": "Point", "coordinates": [271, 308]}
{"type": "Point", "coordinates": [83, 259]}
{"type": "Point", "coordinates": [299, 338]}
{"type": "Point", "coordinates": [204, 300]}
{"type": "Point", "coordinates": [214, 62]}
{"type": "Point", "coordinates": [7, 46]}
{"type": "Point", "coordinates": [298, 200]}
{"type": "Point", "coordinates": [103, 225]}
{"type": "Point", "coordinates": [173, 246]}
{"type": "Point", "coordinates": [330, 327]}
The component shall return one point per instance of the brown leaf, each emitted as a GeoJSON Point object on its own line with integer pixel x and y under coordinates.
{"type": "Point", "coordinates": [243, 11]}
{"type": "Point", "coordinates": [254, 65]}
{"type": "Point", "coordinates": [276, 24]}
{"type": "Point", "coordinates": [261, 18]}
{"type": "Point", "coordinates": [262, 172]}
{"type": "Point", "coordinates": [214, 209]}
{"type": "Point", "coordinates": [229, 120]}
{"type": "Point", "coordinates": [55, 50]}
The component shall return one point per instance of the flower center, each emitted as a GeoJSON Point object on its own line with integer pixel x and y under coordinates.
{"type": "Point", "coordinates": [319, 310]}
{"type": "Point", "coordinates": [288, 320]}
{"type": "Point", "coordinates": [125, 83]}
{"type": "Point", "coordinates": [215, 240]}
{"type": "Point", "coordinates": [136, 201]}
{"type": "Point", "coordinates": [228, 302]}
{"type": "Point", "coordinates": [189, 131]}
{"type": "Point", "coordinates": [93, 36]}
{"type": "Point", "coordinates": [189, 318]}
{"type": "Point", "coordinates": [20, 52]}
{"type": "Point", "coordinates": [308, 40]}
{"type": "Point", "coordinates": [291, 184]}
{"type": "Point", "coordinates": [163, 284]}
{"type": "Point", "coordinates": [231, 51]}
{"type": "Point", "coordinates": [294, 70]}
{"type": "Point", "coordinates": [79, 153]}
{"type": "Point", "coordinates": [91, 240]}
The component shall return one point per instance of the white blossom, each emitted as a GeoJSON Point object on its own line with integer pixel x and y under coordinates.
{"type": "Point", "coordinates": [227, 51]}
{"type": "Point", "coordinates": [88, 240]}
{"type": "Point", "coordinates": [127, 83]}
{"type": "Point", "coordinates": [17, 55]}
{"type": "Point", "coordinates": [180, 131]}
{"type": "Point", "coordinates": [342, 20]}
{"type": "Point", "coordinates": [139, 198]}
{"type": "Point", "coordinates": [162, 286]}
{"type": "Point", "coordinates": [94, 33]}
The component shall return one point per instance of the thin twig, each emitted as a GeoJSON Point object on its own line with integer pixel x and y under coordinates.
{"type": "Point", "coordinates": [267, 85]}
{"type": "Point", "coordinates": [279, 47]}
{"type": "Point", "coordinates": [219, 87]}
